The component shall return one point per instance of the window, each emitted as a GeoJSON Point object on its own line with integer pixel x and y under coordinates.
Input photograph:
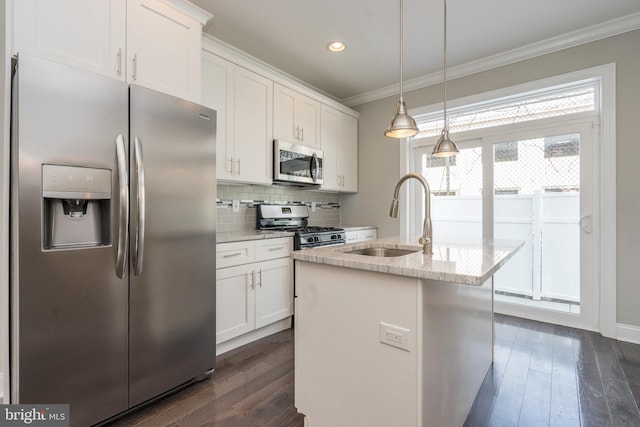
{"type": "Point", "coordinates": [533, 152]}
{"type": "Point", "coordinates": [551, 102]}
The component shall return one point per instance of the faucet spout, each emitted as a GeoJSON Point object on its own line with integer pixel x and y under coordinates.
{"type": "Point", "coordinates": [426, 239]}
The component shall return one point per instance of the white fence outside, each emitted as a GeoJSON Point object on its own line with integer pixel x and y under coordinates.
{"type": "Point", "coordinates": [548, 266]}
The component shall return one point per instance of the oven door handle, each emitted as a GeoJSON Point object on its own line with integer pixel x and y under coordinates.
{"type": "Point", "coordinates": [313, 167]}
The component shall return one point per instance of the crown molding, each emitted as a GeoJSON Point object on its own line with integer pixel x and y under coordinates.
{"type": "Point", "coordinates": [554, 44]}
{"type": "Point", "coordinates": [190, 9]}
{"type": "Point", "coordinates": [230, 53]}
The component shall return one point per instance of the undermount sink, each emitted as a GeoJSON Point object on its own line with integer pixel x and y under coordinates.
{"type": "Point", "coordinates": [382, 252]}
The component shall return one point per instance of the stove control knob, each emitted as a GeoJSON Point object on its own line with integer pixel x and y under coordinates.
{"type": "Point", "coordinates": [334, 237]}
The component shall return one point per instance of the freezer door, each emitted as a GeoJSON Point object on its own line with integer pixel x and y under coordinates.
{"type": "Point", "coordinates": [68, 308]}
{"type": "Point", "coordinates": [173, 198]}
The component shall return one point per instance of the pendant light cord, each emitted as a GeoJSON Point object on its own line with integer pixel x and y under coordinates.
{"type": "Point", "coordinates": [446, 124]}
{"type": "Point", "coordinates": [401, 53]}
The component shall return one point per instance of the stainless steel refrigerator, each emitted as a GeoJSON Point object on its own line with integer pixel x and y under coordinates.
{"type": "Point", "coordinates": [113, 192]}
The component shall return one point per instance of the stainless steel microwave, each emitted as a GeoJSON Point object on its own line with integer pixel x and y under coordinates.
{"type": "Point", "coordinates": [295, 164]}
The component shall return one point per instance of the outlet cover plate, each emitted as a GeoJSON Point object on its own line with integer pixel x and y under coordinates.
{"type": "Point", "coordinates": [395, 336]}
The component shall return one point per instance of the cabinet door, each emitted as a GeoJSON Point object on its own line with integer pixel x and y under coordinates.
{"type": "Point", "coordinates": [253, 127]}
{"type": "Point", "coordinates": [348, 152]}
{"type": "Point", "coordinates": [274, 291]}
{"type": "Point", "coordinates": [284, 101]}
{"type": "Point", "coordinates": [217, 93]}
{"type": "Point", "coordinates": [307, 117]}
{"type": "Point", "coordinates": [85, 34]}
{"type": "Point", "coordinates": [163, 49]}
{"type": "Point", "coordinates": [235, 301]}
{"type": "Point", "coordinates": [296, 117]}
{"type": "Point", "coordinates": [329, 147]}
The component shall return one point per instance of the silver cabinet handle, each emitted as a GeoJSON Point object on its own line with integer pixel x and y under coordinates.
{"type": "Point", "coordinates": [119, 61]}
{"type": "Point", "coordinates": [253, 280]}
{"type": "Point", "coordinates": [231, 165]}
{"type": "Point", "coordinates": [141, 196]}
{"type": "Point", "coordinates": [123, 219]}
{"type": "Point", "coordinates": [302, 133]}
{"type": "Point", "coordinates": [260, 275]}
{"type": "Point", "coordinates": [238, 162]}
{"type": "Point", "coordinates": [134, 74]}
{"type": "Point", "coordinates": [232, 255]}
{"type": "Point", "coordinates": [276, 248]}
{"type": "Point", "coordinates": [297, 132]}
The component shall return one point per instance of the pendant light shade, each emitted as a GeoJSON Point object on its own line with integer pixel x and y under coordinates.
{"type": "Point", "coordinates": [401, 124]}
{"type": "Point", "coordinates": [445, 147]}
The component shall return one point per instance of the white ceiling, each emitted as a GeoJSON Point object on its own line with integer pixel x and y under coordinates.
{"type": "Point", "coordinates": [292, 35]}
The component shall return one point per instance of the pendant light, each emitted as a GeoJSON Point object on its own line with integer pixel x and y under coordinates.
{"type": "Point", "coordinates": [401, 124]}
{"type": "Point", "coordinates": [445, 147]}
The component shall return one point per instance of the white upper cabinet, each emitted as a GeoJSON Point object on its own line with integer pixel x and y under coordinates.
{"type": "Point", "coordinates": [252, 127]}
{"type": "Point", "coordinates": [217, 93]}
{"type": "Point", "coordinates": [296, 117]}
{"type": "Point", "coordinates": [152, 43]}
{"type": "Point", "coordinates": [339, 144]}
{"type": "Point", "coordinates": [84, 34]}
{"type": "Point", "coordinates": [244, 104]}
{"type": "Point", "coordinates": [163, 48]}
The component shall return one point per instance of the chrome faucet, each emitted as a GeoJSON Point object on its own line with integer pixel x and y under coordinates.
{"type": "Point", "coordinates": [425, 240]}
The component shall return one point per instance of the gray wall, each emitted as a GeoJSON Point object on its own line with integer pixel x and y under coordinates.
{"type": "Point", "coordinates": [379, 157]}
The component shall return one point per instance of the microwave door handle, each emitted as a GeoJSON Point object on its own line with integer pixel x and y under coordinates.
{"type": "Point", "coordinates": [123, 219]}
{"type": "Point", "coordinates": [313, 167]}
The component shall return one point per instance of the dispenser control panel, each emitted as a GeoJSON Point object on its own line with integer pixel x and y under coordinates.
{"type": "Point", "coordinates": [75, 182]}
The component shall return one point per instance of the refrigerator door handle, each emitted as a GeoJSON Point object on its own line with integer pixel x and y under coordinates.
{"type": "Point", "coordinates": [139, 249]}
{"type": "Point", "coordinates": [123, 235]}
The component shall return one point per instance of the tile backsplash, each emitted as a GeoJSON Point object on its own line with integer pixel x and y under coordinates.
{"type": "Point", "coordinates": [327, 204]}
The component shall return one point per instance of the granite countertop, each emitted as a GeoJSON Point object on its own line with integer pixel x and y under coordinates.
{"type": "Point", "coordinates": [466, 261]}
{"type": "Point", "coordinates": [239, 236]}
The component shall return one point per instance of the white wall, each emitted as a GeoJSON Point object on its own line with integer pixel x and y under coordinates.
{"type": "Point", "coordinates": [379, 157]}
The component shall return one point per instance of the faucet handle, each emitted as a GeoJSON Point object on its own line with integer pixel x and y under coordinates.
{"type": "Point", "coordinates": [424, 240]}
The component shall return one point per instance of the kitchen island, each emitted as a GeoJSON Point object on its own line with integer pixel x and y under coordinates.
{"type": "Point", "coordinates": [386, 335]}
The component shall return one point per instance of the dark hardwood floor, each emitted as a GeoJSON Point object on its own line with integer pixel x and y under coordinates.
{"type": "Point", "coordinates": [549, 375]}
{"type": "Point", "coordinates": [542, 375]}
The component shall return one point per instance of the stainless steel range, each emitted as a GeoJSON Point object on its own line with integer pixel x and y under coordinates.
{"type": "Point", "coordinates": [295, 218]}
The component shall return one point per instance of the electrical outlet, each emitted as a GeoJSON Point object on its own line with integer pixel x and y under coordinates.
{"type": "Point", "coordinates": [395, 336]}
{"type": "Point", "coordinates": [313, 206]}
{"type": "Point", "coordinates": [235, 206]}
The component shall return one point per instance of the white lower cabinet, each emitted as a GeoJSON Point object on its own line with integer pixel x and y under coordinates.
{"type": "Point", "coordinates": [353, 236]}
{"type": "Point", "coordinates": [254, 286]}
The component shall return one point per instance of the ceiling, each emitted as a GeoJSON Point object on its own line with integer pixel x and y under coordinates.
{"type": "Point", "coordinates": [292, 35]}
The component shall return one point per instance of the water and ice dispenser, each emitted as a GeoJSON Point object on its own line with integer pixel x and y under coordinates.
{"type": "Point", "coordinates": [76, 207]}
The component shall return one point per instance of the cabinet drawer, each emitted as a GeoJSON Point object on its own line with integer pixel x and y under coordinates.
{"type": "Point", "coordinates": [235, 253]}
{"type": "Point", "coordinates": [273, 248]}
{"type": "Point", "coordinates": [369, 234]}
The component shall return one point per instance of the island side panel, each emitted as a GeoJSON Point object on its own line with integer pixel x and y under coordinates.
{"type": "Point", "coordinates": [344, 375]}
{"type": "Point", "coordinates": [457, 347]}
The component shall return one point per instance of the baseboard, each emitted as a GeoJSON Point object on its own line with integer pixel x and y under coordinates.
{"type": "Point", "coordinates": [628, 333]}
{"type": "Point", "coordinates": [265, 331]}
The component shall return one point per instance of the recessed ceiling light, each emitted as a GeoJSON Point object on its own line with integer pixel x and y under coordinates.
{"type": "Point", "coordinates": [337, 46]}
